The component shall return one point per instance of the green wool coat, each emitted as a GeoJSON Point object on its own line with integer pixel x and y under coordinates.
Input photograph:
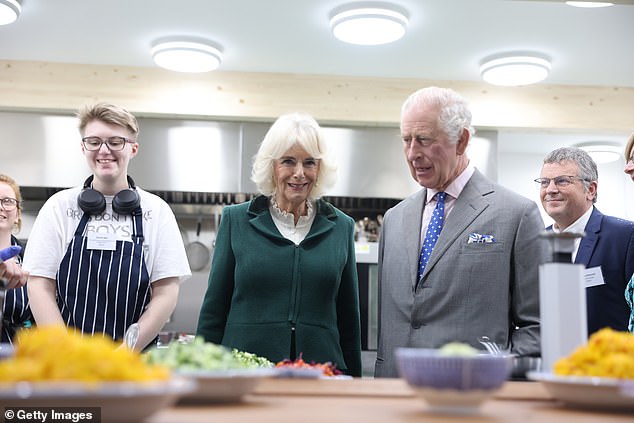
{"type": "Point", "coordinates": [263, 287]}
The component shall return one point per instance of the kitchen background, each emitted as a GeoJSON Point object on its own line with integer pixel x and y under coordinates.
{"type": "Point", "coordinates": [199, 166]}
{"type": "Point", "coordinates": [199, 131]}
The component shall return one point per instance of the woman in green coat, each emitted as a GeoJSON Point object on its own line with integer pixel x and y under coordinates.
{"type": "Point", "coordinates": [283, 280]}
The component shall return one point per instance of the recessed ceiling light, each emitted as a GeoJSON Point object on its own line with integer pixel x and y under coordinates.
{"type": "Point", "coordinates": [514, 69]}
{"type": "Point", "coordinates": [9, 11]}
{"type": "Point", "coordinates": [589, 4]}
{"type": "Point", "coordinates": [186, 55]}
{"type": "Point", "coordinates": [369, 23]}
{"type": "Point", "coordinates": [601, 151]}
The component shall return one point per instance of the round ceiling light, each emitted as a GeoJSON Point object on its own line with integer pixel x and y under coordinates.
{"type": "Point", "coordinates": [589, 4]}
{"type": "Point", "coordinates": [186, 56]}
{"type": "Point", "coordinates": [514, 70]}
{"type": "Point", "coordinates": [602, 152]}
{"type": "Point", "coordinates": [368, 23]}
{"type": "Point", "coordinates": [9, 11]}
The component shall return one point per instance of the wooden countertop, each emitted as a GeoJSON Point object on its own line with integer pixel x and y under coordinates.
{"type": "Point", "coordinates": [379, 388]}
{"type": "Point", "coordinates": [378, 400]}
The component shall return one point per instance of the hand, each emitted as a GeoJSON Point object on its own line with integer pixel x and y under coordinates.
{"type": "Point", "coordinates": [11, 273]}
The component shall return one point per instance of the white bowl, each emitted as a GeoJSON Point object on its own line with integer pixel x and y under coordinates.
{"type": "Point", "coordinates": [223, 386]}
{"type": "Point", "coordinates": [117, 401]}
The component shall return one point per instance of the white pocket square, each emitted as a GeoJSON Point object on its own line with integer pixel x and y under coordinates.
{"type": "Point", "coordinates": [480, 239]}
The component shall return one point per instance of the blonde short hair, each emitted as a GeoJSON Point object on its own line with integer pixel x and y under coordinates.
{"type": "Point", "coordinates": [289, 130]}
{"type": "Point", "coordinates": [110, 114]}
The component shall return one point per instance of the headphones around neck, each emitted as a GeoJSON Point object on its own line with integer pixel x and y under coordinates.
{"type": "Point", "coordinates": [93, 202]}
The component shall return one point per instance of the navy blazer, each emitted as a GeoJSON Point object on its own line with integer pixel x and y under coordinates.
{"type": "Point", "coordinates": [609, 243]}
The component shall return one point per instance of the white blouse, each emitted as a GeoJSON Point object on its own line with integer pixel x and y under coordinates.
{"type": "Point", "coordinates": [285, 222]}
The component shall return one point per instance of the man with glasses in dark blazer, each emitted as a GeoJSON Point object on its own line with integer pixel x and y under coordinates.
{"type": "Point", "coordinates": [568, 191]}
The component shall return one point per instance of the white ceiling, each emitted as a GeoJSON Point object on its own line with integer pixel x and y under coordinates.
{"type": "Point", "coordinates": [445, 39]}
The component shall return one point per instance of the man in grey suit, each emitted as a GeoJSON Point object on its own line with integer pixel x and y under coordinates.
{"type": "Point", "coordinates": [481, 277]}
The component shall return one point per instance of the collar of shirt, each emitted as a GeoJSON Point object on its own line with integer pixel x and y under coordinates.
{"type": "Point", "coordinates": [453, 191]}
{"type": "Point", "coordinates": [578, 226]}
{"type": "Point", "coordinates": [285, 222]}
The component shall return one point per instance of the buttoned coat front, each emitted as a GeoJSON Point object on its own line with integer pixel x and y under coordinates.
{"type": "Point", "coordinates": [263, 288]}
{"type": "Point", "coordinates": [467, 289]}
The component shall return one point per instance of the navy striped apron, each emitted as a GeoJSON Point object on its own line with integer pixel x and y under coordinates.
{"type": "Point", "coordinates": [16, 307]}
{"type": "Point", "coordinates": [103, 291]}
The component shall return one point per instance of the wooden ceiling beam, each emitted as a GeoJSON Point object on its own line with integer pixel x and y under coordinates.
{"type": "Point", "coordinates": [63, 88]}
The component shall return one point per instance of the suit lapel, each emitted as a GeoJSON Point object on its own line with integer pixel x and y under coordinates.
{"type": "Point", "coordinates": [324, 220]}
{"type": "Point", "coordinates": [469, 205]}
{"type": "Point", "coordinates": [589, 242]}
{"type": "Point", "coordinates": [411, 236]}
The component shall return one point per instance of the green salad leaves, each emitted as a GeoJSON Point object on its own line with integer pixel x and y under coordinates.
{"type": "Point", "coordinates": [201, 355]}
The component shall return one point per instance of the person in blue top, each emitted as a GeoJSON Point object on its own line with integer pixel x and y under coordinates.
{"type": "Point", "coordinates": [283, 280]}
{"type": "Point", "coordinates": [16, 311]}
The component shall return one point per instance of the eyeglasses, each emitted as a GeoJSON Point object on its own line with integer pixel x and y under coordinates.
{"type": "Point", "coordinates": [291, 162]}
{"type": "Point", "coordinates": [9, 204]}
{"type": "Point", "coordinates": [560, 181]}
{"type": "Point", "coordinates": [113, 143]}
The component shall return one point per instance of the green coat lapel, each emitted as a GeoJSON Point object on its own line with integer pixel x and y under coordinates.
{"type": "Point", "coordinates": [260, 218]}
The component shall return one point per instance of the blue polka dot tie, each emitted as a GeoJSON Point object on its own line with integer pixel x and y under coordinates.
{"type": "Point", "coordinates": [433, 231]}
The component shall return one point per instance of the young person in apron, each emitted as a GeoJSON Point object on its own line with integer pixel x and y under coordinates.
{"type": "Point", "coordinates": [95, 270]}
{"type": "Point", "coordinates": [15, 304]}
{"type": "Point", "coordinates": [106, 254]}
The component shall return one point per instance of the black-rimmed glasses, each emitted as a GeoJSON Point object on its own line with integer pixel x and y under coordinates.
{"type": "Point", "coordinates": [113, 143]}
{"type": "Point", "coordinates": [560, 181]}
{"type": "Point", "coordinates": [9, 204]}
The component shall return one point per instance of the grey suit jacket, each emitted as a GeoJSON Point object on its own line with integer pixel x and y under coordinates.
{"type": "Point", "coordinates": [467, 289]}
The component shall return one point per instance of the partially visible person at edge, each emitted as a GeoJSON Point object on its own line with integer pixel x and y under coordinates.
{"type": "Point", "coordinates": [106, 254]}
{"type": "Point", "coordinates": [17, 313]}
{"type": "Point", "coordinates": [629, 169]}
{"type": "Point", "coordinates": [568, 191]}
{"type": "Point", "coordinates": [283, 280]}
{"type": "Point", "coordinates": [481, 277]}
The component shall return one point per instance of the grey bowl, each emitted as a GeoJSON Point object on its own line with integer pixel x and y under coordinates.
{"type": "Point", "coordinates": [422, 367]}
{"type": "Point", "coordinates": [6, 350]}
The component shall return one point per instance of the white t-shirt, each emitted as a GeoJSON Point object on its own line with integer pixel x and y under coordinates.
{"type": "Point", "coordinates": [56, 222]}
